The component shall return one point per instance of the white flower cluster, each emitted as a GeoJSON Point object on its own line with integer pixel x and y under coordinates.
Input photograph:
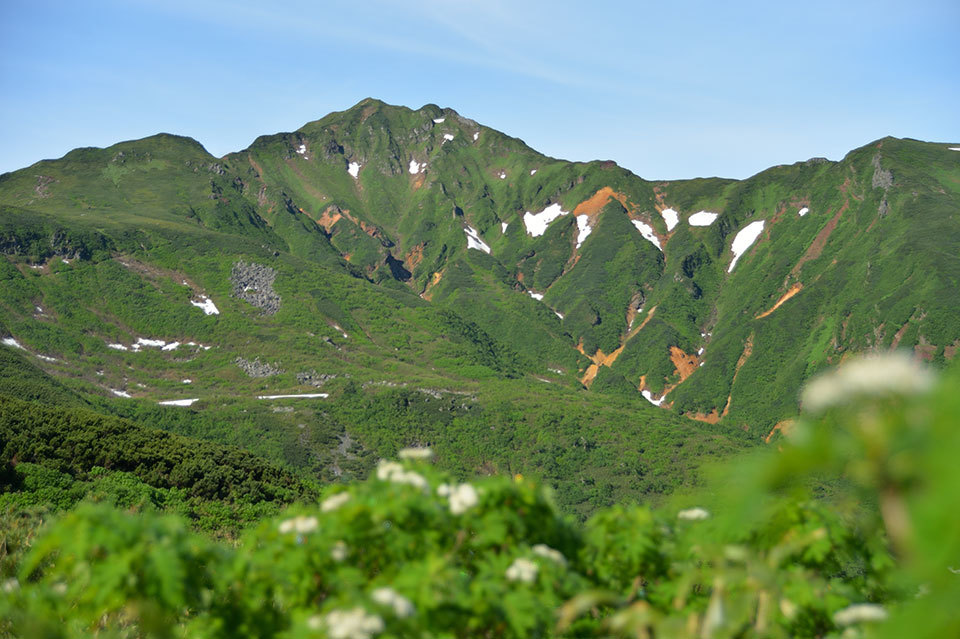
{"type": "Point", "coordinates": [859, 613]}
{"type": "Point", "coordinates": [10, 585]}
{"type": "Point", "coordinates": [693, 514]}
{"type": "Point", "coordinates": [355, 623]}
{"type": "Point", "coordinates": [416, 453]}
{"type": "Point", "coordinates": [397, 474]}
{"type": "Point", "coordinates": [867, 376]}
{"type": "Point", "coordinates": [402, 607]}
{"type": "Point", "coordinates": [339, 551]}
{"type": "Point", "coordinates": [299, 524]}
{"type": "Point", "coordinates": [522, 570]}
{"type": "Point", "coordinates": [334, 502]}
{"type": "Point", "coordinates": [462, 498]}
{"type": "Point", "coordinates": [544, 550]}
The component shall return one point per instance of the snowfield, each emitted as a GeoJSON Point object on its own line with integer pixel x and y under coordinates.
{"type": "Point", "coordinates": [583, 225]}
{"type": "Point", "coordinates": [474, 241]}
{"type": "Point", "coordinates": [415, 167]}
{"type": "Point", "coordinates": [303, 396]}
{"type": "Point", "coordinates": [647, 232]}
{"type": "Point", "coordinates": [702, 218]}
{"type": "Point", "coordinates": [536, 296]}
{"type": "Point", "coordinates": [803, 211]}
{"type": "Point", "coordinates": [671, 217]}
{"type": "Point", "coordinates": [206, 305]}
{"type": "Point", "coordinates": [649, 397]}
{"type": "Point", "coordinates": [744, 240]}
{"type": "Point", "coordinates": [354, 170]}
{"type": "Point", "coordinates": [537, 223]}
{"type": "Point", "coordinates": [179, 402]}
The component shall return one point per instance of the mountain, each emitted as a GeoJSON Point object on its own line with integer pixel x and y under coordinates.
{"type": "Point", "coordinates": [442, 283]}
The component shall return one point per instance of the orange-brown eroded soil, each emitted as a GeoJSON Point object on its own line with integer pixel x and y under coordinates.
{"type": "Point", "coordinates": [714, 416]}
{"type": "Point", "coordinates": [796, 288]}
{"type": "Point", "coordinates": [329, 217]}
{"type": "Point", "coordinates": [427, 294]}
{"type": "Point", "coordinates": [414, 257]}
{"type": "Point", "coordinates": [598, 200]}
{"type": "Point", "coordinates": [784, 428]}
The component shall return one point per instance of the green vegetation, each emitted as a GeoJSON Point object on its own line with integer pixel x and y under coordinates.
{"type": "Point", "coordinates": [411, 552]}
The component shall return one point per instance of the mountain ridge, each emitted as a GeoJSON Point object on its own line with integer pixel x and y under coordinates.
{"type": "Point", "coordinates": [420, 249]}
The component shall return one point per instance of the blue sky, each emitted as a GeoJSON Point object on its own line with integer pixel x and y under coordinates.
{"type": "Point", "coordinates": [668, 89]}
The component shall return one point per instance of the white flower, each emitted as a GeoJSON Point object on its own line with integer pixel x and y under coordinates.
{"type": "Point", "coordinates": [351, 624]}
{"type": "Point", "coordinates": [402, 606]}
{"type": "Point", "coordinates": [463, 498]}
{"type": "Point", "coordinates": [339, 551]}
{"type": "Point", "coordinates": [299, 524]}
{"type": "Point", "coordinates": [866, 376]}
{"type": "Point", "coordinates": [397, 474]}
{"type": "Point", "coordinates": [415, 453]}
{"type": "Point", "coordinates": [546, 551]}
{"type": "Point", "coordinates": [444, 490]}
{"type": "Point", "coordinates": [522, 570]}
{"type": "Point", "coordinates": [10, 585]}
{"type": "Point", "coordinates": [693, 514]}
{"type": "Point", "coordinates": [859, 613]}
{"type": "Point", "coordinates": [334, 502]}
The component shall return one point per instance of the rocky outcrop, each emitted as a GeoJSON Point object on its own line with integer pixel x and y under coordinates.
{"type": "Point", "coordinates": [312, 378]}
{"type": "Point", "coordinates": [882, 178]}
{"type": "Point", "coordinates": [256, 368]}
{"type": "Point", "coordinates": [253, 283]}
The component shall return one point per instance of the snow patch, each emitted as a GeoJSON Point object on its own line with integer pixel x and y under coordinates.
{"type": "Point", "coordinates": [303, 396]}
{"type": "Point", "coordinates": [302, 150]}
{"type": "Point", "coordinates": [536, 296]}
{"type": "Point", "coordinates": [702, 218]}
{"type": "Point", "coordinates": [533, 171]}
{"type": "Point", "coordinates": [188, 381]}
{"type": "Point", "coordinates": [206, 305]}
{"type": "Point", "coordinates": [120, 393]}
{"type": "Point", "coordinates": [476, 135]}
{"type": "Point", "coordinates": [536, 223]}
{"type": "Point", "coordinates": [671, 217]}
{"type": "Point", "coordinates": [415, 167]}
{"type": "Point", "coordinates": [354, 170]}
{"type": "Point", "coordinates": [179, 402]}
{"type": "Point", "coordinates": [9, 341]}
{"type": "Point", "coordinates": [583, 225]}
{"type": "Point", "coordinates": [649, 397]}
{"type": "Point", "coordinates": [558, 314]}
{"type": "Point", "coordinates": [474, 241]}
{"type": "Point", "coordinates": [46, 358]}
{"type": "Point", "coordinates": [953, 148]}
{"type": "Point", "coordinates": [647, 232]}
{"type": "Point", "coordinates": [502, 175]}
{"type": "Point", "coordinates": [172, 346]}
{"type": "Point", "coordinates": [744, 240]}
{"type": "Point", "coordinates": [438, 120]}
{"type": "Point", "coordinates": [503, 227]}
{"type": "Point", "coordinates": [700, 352]}
{"type": "Point", "coordinates": [118, 347]}
{"type": "Point", "coordinates": [803, 211]}
{"type": "Point", "coordinates": [448, 137]}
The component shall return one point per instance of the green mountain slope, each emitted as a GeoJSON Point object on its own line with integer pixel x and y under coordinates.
{"type": "Point", "coordinates": [441, 283]}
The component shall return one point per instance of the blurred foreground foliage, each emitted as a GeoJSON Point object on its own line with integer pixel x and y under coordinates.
{"type": "Point", "coordinates": [847, 527]}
